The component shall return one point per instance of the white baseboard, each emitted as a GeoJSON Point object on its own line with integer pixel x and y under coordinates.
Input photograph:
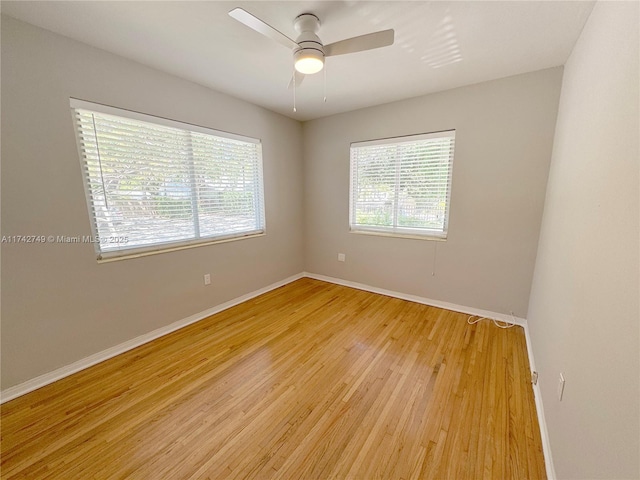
{"type": "Point", "coordinates": [546, 447]}
{"type": "Point", "coordinates": [47, 378]}
{"type": "Point", "coordinates": [502, 317]}
{"type": "Point", "coordinates": [537, 394]}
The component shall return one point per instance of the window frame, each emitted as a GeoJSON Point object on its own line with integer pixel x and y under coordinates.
{"type": "Point", "coordinates": [168, 246]}
{"type": "Point", "coordinates": [399, 231]}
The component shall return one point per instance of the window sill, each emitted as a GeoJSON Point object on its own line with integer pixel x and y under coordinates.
{"type": "Point", "coordinates": [146, 251]}
{"type": "Point", "coordinates": [431, 238]}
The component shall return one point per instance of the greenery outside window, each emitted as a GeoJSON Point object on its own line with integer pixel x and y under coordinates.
{"type": "Point", "coordinates": [155, 184]}
{"type": "Point", "coordinates": [401, 186]}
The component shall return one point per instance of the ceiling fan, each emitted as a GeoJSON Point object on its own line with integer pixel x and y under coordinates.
{"type": "Point", "coordinates": [309, 53]}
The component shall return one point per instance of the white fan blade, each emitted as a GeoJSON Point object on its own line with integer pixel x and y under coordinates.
{"type": "Point", "coordinates": [259, 26]}
{"type": "Point", "coordinates": [369, 41]}
{"type": "Point", "coordinates": [299, 78]}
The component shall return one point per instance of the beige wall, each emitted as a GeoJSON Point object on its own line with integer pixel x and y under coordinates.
{"type": "Point", "coordinates": [504, 136]}
{"type": "Point", "coordinates": [583, 313]}
{"type": "Point", "coordinates": [58, 304]}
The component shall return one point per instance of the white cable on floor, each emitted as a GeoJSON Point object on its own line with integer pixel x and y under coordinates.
{"type": "Point", "coordinates": [506, 324]}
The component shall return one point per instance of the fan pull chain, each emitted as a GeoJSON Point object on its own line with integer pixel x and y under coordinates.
{"type": "Point", "coordinates": [294, 92]}
{"type": "Point", "coordinates": [325, 82]}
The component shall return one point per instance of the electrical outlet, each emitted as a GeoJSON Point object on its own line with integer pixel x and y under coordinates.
{"type": "Point", "coordinates": [560, 387]}
{"type": "Point", "coordinates": [207, 279]}
{"type": "Point", "coordinates": [342, 257]}
{"type": "Point", "coordinates": [534, 377]}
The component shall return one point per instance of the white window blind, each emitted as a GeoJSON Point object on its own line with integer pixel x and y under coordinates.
{"type": "Point", "coordinates": [401, 186]}
{"type": "Point", "coordinates": [154, 184]}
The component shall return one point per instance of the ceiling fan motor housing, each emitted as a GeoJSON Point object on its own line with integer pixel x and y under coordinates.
{"type": "Point", "coordinates": [309, 44]}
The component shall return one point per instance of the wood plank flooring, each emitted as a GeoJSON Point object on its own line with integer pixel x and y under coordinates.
{"type": "Point", "coordinates": [309, 381]}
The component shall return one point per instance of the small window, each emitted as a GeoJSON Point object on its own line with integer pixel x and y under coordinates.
{"type": "Point", "coordinates": [401, 186]}
{"type": "Point", "coordinates": [153, 184]}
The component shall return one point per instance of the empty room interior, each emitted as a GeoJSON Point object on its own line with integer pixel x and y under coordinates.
{"type": "Point", "coordinates": [320, 240]}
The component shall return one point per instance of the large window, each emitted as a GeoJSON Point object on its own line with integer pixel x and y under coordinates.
{"type": "Point", "coordinates": [401, 186]}
{"type": "Point", "coordinates": [154, 184]}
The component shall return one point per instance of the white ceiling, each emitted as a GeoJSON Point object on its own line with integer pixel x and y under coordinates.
{"type": "Point", "coordinates": [438, 44]}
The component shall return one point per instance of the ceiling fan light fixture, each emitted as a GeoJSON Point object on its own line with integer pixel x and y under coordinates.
{"type": "Point", "coordinates": [308, 61]}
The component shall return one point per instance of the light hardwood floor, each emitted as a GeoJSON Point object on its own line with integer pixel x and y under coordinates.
{"type": "Point", "coordinates": [309, 381]}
